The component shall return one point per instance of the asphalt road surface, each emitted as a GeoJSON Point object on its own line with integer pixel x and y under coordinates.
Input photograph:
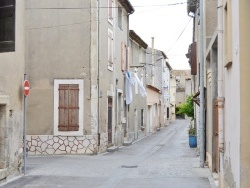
{"type": "Point", "coordinates": [163, 159]}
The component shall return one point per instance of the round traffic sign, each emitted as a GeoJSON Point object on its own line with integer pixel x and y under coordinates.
{"type": "Point", "coordinates": [26, 86]}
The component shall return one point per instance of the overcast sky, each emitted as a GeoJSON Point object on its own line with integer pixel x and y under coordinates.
{"type": "Point", "coordinates": [164, 20]}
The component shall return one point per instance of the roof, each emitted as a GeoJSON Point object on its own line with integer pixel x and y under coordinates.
{"type": "Point", "coordinates": [164, 55]}
{"type": "Point", "coordinates": [153, 88]}
{"type": "Point", "coordinates": [137, 39]}
{"type": "Point", "coordinates": [168, 65]}
{"type": "Point", "coordinates": [127, 5]}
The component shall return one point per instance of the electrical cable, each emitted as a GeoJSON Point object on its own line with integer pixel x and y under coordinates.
{"type": "Point", "coordinates": [180, 35]}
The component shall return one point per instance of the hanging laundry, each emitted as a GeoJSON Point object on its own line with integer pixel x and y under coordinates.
{"type": "Point", "coordinates": [141, 87]}
{"type": "Point", "coordinates": [128, 88]}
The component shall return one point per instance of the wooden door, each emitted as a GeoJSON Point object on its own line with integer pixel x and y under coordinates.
{"type": "Point", "coordinates": [110, 120]}
{"type": "Point", "coordinates": [216, 136]}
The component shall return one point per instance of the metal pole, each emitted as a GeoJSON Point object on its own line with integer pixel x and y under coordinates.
{"type": "Point", "coordinates": [24, 130]}
{"type": "Point", "coordinates": [202, 126]}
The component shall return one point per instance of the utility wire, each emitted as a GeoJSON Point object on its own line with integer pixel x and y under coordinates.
{"type": "Point", "coordinates": [180, 35]}
{"type": "Point", "coordinates": [79, 23]}
{"type": "Point", "coordinates": [107, 7]}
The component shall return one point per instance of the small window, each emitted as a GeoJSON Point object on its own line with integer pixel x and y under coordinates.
{"type": "Point", "coordinates": [142, 117]}
{"type": "Point", "coordinates": [110, 50]}
{"type": "Point", "coordinates": [7, 25]}
{"type": "Point", "coordinates": [136, 88]}
{"type": "Point", "coordinates": [120, 17]}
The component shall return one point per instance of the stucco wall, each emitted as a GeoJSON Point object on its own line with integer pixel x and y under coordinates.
{"type": "Point", "coordinates": [57, 47]}
{"type": "Point", "coordinates": [244, 42]}
{"type": "Point", "coordinates": [232, 109]}
{"type": "Point", "coordinates": [11, 101]}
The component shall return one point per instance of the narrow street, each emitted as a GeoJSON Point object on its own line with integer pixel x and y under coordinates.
{"type": "Point", "coordinates": [163, 159]}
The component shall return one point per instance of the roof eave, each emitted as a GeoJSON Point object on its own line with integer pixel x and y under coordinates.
{"type": "Point", "coordinates": [127, 5]}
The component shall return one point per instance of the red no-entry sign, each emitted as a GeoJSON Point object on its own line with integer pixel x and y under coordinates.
{"type": "Point", "coordinates": [26, 86]}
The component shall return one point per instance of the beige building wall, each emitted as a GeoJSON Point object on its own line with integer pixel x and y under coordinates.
{"type": "Point", "coordinates": [153, 114]}
{"type": "Point", "coordinates": [244, 41]}
{"type": "Point", "coordinates": [69, 46]}
{"type": "Point", "coordinates": [11, 101]}
{"type": "Point", "coordinates": [236, 59]}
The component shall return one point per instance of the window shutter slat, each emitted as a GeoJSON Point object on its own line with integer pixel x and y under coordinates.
{"type": "Point", "coordinates": [68, 107]}
{"type": "Point", "coordinates": [122, 57]}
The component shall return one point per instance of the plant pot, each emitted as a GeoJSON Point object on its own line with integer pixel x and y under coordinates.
{"type": "Point", "coordinates": [192, 141]}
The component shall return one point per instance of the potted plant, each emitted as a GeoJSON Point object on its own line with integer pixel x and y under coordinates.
{"type": "Point", "coordinates": [192, 137]}
{"type": "Point", "coordinates": [187, 108]}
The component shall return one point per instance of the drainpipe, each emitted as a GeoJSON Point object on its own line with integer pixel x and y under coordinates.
{"type": "Point", "coordinates": [126, 69]}
{"type": "Point", "coordinates": [152, 60]}
{"type": "Point", "coordinates": [220, 91]}
{"type": "Point", "coordinates": [98, 77]}
{"type": "Point", "coordinates": [202, 114]}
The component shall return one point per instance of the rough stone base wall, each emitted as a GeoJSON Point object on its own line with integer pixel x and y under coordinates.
{"type": "Point", "coordinates": [136, 135]}
{"type": "Point", "coordinates": [56, 145]}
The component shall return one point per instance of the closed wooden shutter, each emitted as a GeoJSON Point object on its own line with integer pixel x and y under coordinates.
{"type": "Point", "coordinates": [127, 58]}
{"type": "Point", "coordinates": [68, 107]}
{"type": "Point", "coordinates": [123, 65]}
{"type": "Point", "coordinates": [7, 25]}
{"type": "Point", "coordinates": [193, 59]}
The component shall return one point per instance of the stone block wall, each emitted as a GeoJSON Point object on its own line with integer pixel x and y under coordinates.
{"type": "Point", "coordinates": [56, 145]}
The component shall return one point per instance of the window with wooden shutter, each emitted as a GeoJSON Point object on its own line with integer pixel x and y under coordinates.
{"type": "Point", "coordinates": [68, 108]}
{"type": "Point", "coordinates": [123, 56]}
{"type": "Point", "coordinates": [7, 25]}
{"type": "Point", "coordinates": [127, 58]}
{"type": "Point", "coordinates": [110, 50]}
{"type": "Point", "coordinates": [193, 59]}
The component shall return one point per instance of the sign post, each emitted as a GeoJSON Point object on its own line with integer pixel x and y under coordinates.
{"type": "Point", "coordinates": [26, 91]}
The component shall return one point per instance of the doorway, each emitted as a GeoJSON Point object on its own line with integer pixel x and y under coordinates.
{"type": "Point", "coordinates": [2, 136]}
{"type": "Point", "coordinates": [110, 107]}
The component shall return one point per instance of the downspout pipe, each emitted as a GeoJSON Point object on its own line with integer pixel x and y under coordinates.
{"type": "Point", "coordinates": [202, 100]}
{"type": "Point", "coordinates": [220, 91]}
{"type": "Point", "coordinates": [98, 76]}
{"type": "Point", "coordinates": [126, 69]}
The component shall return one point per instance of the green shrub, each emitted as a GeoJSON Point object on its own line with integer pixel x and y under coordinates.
{"type": "Point", "coordinates": [187, 108]}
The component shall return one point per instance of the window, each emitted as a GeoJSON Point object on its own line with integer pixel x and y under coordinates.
{"type": "Point", "coordinates": [124, 57]}
{"type": "Point", "coordinates": [140, 55]}
{"type": "Point", "coordinates": [136, 88]}
{"type": "Point", "coordinates": [228, 34]}
{"type": "Point", "coordinates": [68, 107]}
{"type": "Point", "coordinates": [142, 117]}
{"type": "Point", "coordinates": [7, 25]}
{"type": "Point", "coordinates": [119, 108]}
{"type": "Point", "coordinates": [120, 17]}
{"type": "Point", "coordinates": [110, 11]}
{"type": "Point", "coordinates": [110, 50]}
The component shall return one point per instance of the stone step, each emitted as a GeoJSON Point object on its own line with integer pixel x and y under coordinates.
{"type": "Point", "coordinates": [127, 143]}
{"type": "Point", "coordinates": [112, 149]}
